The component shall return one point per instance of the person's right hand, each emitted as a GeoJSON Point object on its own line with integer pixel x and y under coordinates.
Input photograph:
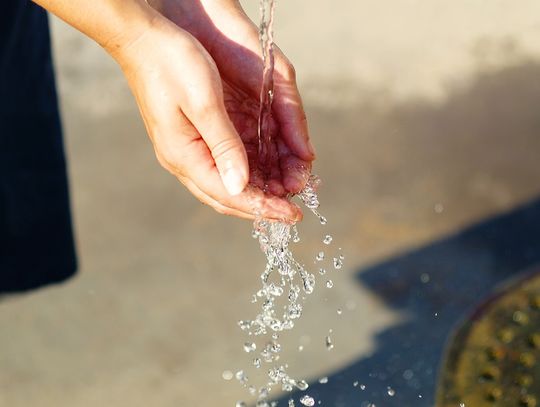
{"type": "Point", "coordinates": [180, 95]}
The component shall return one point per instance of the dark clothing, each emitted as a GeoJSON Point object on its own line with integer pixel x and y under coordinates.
{"type": "Point", "coordinates": [36, 242]}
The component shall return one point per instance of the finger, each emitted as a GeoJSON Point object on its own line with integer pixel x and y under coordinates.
{"type": "Point", "coordinates": [244, 68]}
{"type": "Point", "coordinates": [275, 181]}
{"type": "Point", "coordinates": [289, 110]}
{"type": "Point", "coordinates": [252, 200]}
{"type": "Point", "coordinates": [295, 171]}
{"type": "Point", "coordinates": [204, 107]}
{"type": "Point", "coordinates": [196, 163]}
{"type": "Point", "coordinates": [208, 200]}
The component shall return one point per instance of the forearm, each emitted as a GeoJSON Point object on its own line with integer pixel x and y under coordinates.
{"type": "Point", "coordinates": [111, 23]}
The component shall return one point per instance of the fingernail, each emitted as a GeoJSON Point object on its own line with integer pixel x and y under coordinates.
{"type": "Point", "coordinates": [233, 180]}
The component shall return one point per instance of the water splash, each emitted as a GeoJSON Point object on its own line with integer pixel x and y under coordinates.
{"type": "Point", "coordinates": [329, 343]}
{"type": "Point", "coordinates": [285, 285]}
{"type": "Point", "coordinates": [250, 347]}
{"type": "Point", "coordinates": [307, 401]}
{"type": "Point", "coordinates": [285, 281]}
{"type": "Point", "coordinates": [338, 262]}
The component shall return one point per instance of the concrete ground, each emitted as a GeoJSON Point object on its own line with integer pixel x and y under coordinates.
{"type": "Point", "coordinates": [425, 117]}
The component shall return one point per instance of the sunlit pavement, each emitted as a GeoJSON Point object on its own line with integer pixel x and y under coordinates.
{"type": "Point", "coordinates": [425, 118]}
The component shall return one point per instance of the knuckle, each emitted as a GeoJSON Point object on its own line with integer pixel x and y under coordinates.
{"type": "Point", "coordinates": [204, 108]}
{"type": "Point", "coordinates": [164, 160]}
{"type": "Point", "coordinates": [224, 148]}
{"type": "Point", "coordinates": [168, 160]}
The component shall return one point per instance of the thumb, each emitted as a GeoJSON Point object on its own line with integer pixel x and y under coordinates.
{"type": "Point", "coordinates": [230, 157]}
{"type": "Point", "coordinates": [204, 106]}
{"type": "Point", "coordinates": [225, 145]}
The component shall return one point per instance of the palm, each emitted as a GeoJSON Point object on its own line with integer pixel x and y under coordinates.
{"type": "Point", "coordinates": [244, 113]}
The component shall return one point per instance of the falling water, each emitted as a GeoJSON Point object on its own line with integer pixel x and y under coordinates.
{"type": "Point", "coordinates": [266, 37]}
{"type": "Point", "coordinates": [285, 282]}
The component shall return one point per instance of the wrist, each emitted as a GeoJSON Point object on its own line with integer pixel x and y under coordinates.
{"type": "Point", "coordinates": [131, 25]}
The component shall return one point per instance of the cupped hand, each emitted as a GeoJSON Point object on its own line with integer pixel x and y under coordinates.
{"type": "Point", "coordinates": [232, 40]}
{"type": "Point", "coordinates": [202, 119]}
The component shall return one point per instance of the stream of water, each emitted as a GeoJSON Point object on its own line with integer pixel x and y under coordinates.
{"type": "Point", "coordinates": [285, 282]}
{"type": "Point", "coordinates": [266, 38]}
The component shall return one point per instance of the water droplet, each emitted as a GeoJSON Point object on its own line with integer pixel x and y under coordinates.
{"type": "Point", "coordinates": [227, 375]}
{"type": "Point", "coordinates": [461, 404]}
{"type": "Point", "coordinates": [283, 275]}
{"type": "Point", "coordinates": [424, 278]}
{"type": "Point", "coordinates": [295, 235]}
{"type": "Point", "coordinates": [338, 263]}
{"type": "Point", "coordinates": [241, 376]}
{"type": "Point", "coordinates": [249, 347]}
{"type": "Point", "coordinates": [274, 290]}
{"type": "Point", "coordinates": [302, 385]}
{"type": "Point", "coordinates": [300, 348]}
{"type": "Point", "coordinates": [291, 403]}
{"type": "Point", "coordinates": [263, 393]}
{"type": "Point", "coordinates": [391, 392]}
{"type": "Point", "coordinates": [355, 384]}
{"type": "Point", "coordinates": [323, 380]}
{"type": "Point", "coordinates": [329, 284]}
{"type": "Point", "coordinates": [329, 343]}
{"type": "Point", "coordinates": [274, 347]}
{"type": "Point", "coordinates": [244, 325]}
{"type": "Point", "coordinates": [307, 401]}
{"type": "Point", "coordinates": [241, 404]}
{"type": "Point", "coordinates": [362, 387]}
{"type": "Point", "coordinates": [438, 208]}
{"type": "Point", "coordinates": [339, 311]}
{"type": "Point", "coordinates": [309, 283]}
{"type": "Point", "coordinates": [322, 271]}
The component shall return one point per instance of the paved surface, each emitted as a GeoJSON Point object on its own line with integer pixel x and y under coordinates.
{"type": "Point", "coordinates": [426, 121]}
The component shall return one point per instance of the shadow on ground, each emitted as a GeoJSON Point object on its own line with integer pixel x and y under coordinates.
{"type": "Point", "coordinates": [435, 287]}
{"type": "Point", "coordinates": [494, 125]}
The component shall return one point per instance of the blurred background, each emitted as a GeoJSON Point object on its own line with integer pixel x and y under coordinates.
{"type": "Point", "coordinates": [426, 120]}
